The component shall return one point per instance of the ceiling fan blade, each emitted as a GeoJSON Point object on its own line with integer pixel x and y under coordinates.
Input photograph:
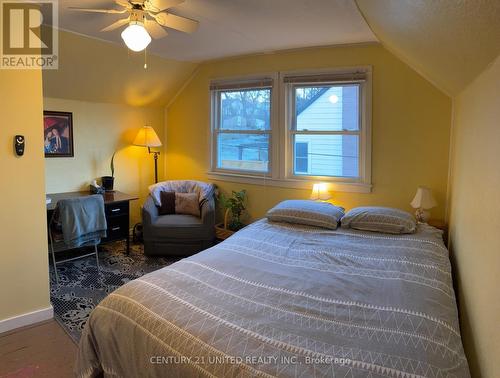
{"type": "Point", "coordinates": [109, 11]}
{"type": "Point", "coordinates": [159, 5]}
{"type": "Point", "coordinates": [170, 20]}
{"type": "Point", "coordinates": [116, 25]}
{"type": "Point", "coordinates": [154, 29]}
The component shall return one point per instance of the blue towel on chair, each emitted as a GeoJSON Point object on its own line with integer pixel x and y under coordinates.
{"type": "Point", "coordinates": [82, 220]}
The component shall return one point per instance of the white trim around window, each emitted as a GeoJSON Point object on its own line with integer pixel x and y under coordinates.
{"type": "Point", "coordinates": [280, 155]}
{"type": "Point", "coordinates": [264, 81]}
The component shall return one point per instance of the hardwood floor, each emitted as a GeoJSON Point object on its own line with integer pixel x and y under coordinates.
{"type": "Point", "coordinates": [43, 350]}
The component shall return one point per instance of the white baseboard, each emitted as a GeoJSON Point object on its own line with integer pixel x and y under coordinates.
{"type": "Point", "coordinates": [26, 319]}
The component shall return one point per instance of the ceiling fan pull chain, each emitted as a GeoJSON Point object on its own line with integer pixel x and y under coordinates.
{"type": "Point", "coordinates": [145, 59]}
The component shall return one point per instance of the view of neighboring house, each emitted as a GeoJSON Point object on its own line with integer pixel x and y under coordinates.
{"type": "Point", "coordinates": [245, 125]}
{"type": "Point", "coordinates": [334, 109]}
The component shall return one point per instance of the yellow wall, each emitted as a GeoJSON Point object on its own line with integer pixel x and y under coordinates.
{"type": "Point", "coordinates": [99, 129]}
{"type": "Point", "coordinates": [23, 256]}
{"type": "Point", "coordinates": [411, 124]}
{"type": "Point", "coordinates": [475, 219]}
{"type": "Point", "coordinates": [98, 71]}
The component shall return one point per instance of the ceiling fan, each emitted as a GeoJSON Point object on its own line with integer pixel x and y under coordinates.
{"type": "Point", "coordinates": [146, 18]}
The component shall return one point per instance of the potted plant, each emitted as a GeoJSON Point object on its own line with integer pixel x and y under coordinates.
{"type": "Point", "coordinates": [234, 206]}
{"type": "Point", "coordinates": [108, 181]}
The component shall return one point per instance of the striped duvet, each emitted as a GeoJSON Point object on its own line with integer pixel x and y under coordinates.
{"type": "Point", "coordinates": [287, 301]}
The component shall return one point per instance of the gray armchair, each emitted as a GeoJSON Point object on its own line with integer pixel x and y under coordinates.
{"type": "Point", "coordinates": [177, 234]}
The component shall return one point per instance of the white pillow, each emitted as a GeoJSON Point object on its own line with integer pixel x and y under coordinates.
{"type": "Point", "coordinates": [311, 213]}
{"type": "Point", "coordinates": [380, 219]}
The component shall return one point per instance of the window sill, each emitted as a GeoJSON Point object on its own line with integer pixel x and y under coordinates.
{"type": "Point", "coordinates": [336, 186]}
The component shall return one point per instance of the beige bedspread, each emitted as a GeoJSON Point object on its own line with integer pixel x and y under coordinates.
{"type": "Point", "coordinates": [288, 301]}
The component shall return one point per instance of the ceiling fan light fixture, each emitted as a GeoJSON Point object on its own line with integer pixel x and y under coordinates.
{"type": "Point", "coordinates": [136, 36]}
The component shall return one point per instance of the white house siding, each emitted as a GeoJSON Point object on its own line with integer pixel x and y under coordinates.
{"type": "Point", "coordinates": [324, 154]}
{"type": "Point", "coordinates": [331, 155]}
{"type": "Point", "coordinates": [350, 107]}
{"type": "Point", "coordinates": [350, 118]}
{"type": "Point", "coordinates": [322, 114]}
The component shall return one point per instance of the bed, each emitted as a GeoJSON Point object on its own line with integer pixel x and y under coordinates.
{"type": "Point", "coordinates": [286, 300]}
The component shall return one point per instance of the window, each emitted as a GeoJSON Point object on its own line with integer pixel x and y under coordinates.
{"type": "Point", "coordinates": [326, 119]}
{"type": "Point", "coordinates": [242, 127]}
{"type": "Point", "coordinates": [294, 128]}
{"type": "Point", "coordinates": [301, 157]}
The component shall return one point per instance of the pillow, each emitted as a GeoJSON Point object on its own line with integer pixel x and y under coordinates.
{"type": "Point", "coordinates": [311, 213]}
{"type": "Point", "coordinates": [205, 191]}
{"type": "Point", "coordinates": [187, 203]}
{"type": "Point", "coordinates": [380, 219]}
{"type": "Point", "coordinates": [167, 203]}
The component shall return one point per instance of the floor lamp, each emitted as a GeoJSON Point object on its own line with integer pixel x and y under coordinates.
{"type": "Point", "coordinates": [147, 137]}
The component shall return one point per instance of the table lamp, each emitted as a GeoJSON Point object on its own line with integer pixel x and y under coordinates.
{"type": "Point", "coordinates": [320, 192]}
{"type": "Point", "coordinates": [147, 137]}
{"type": "Point", "coordinates": [423, 201]}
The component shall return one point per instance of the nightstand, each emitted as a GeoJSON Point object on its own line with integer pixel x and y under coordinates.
{"type": "Point", "coordinates": [440, 224]}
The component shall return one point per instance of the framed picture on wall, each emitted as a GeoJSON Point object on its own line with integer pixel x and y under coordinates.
{"type": "Point", "coordinates": [58, 134]}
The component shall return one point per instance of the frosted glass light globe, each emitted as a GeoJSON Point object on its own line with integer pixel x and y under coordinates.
{"type": "Point", "coordinates": [136, 37]}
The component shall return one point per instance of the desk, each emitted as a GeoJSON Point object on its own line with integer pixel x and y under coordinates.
{"type": "Point", "coordinates": [116, 207]}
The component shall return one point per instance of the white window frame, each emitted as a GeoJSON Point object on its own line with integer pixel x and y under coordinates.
{"type": "Point", "coordinates": [364, 153]}
{"type": "Point", "coordinates": [234, 84]}
{"type": "Point", "coordinates": [280, 141]}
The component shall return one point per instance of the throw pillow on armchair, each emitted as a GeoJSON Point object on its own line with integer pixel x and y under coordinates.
{"type": "Point", "coordinates": [187, 203]}
{"type": "Point", "coordinates": [167, 203]}
{"type": "Point", "coordinates": [179, 203]}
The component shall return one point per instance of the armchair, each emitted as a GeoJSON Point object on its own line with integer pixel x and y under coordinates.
{"type": "Point", "coordinates": [177, 234]}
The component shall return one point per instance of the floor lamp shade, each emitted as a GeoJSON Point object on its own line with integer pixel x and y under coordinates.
{"type": "Point", "coordinates": [147, 137]}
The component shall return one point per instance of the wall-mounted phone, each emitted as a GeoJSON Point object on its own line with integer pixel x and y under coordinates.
{"type": "Point", "coordinates": [19, 145]}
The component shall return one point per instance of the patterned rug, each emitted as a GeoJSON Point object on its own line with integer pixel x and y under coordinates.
{"type": "Point", "coordinates": [81, 289]}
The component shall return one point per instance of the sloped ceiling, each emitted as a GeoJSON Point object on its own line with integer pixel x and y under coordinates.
{"type": "Point", "coordinates": [97, 66]}
{"type": "Point", "coordinates": [98, 71]}
{"type": "Point", "coordinates": [235, 27]}
{"type": "Point", "coordinates": [447, 41]}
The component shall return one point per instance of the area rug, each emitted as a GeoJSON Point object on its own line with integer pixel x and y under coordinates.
{"type": "Point", "coordinates": [80, 288]}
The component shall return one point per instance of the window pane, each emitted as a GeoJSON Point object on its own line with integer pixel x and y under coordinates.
{"type": "Point", "coordinates": [243, 152]}
{"type": "Point", "coordinates": [327, 108]}
{"type": "Point", "coordinates": [301, 157]}
{"type": "Point", "coordinates": [327, 155]}
{"type": "Point", "coordinates": [247, 109]}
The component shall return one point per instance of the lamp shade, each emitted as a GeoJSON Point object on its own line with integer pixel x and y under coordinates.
{"type": "Point", "coordinates": [147, 137]}
{"type": "Point", "coordinates": [423, 199]}
{"type": "Point", "coordinates": [320, 192]}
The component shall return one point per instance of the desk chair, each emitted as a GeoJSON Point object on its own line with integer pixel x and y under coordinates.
{"type": "Point", "coordinates": [56, 234]}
